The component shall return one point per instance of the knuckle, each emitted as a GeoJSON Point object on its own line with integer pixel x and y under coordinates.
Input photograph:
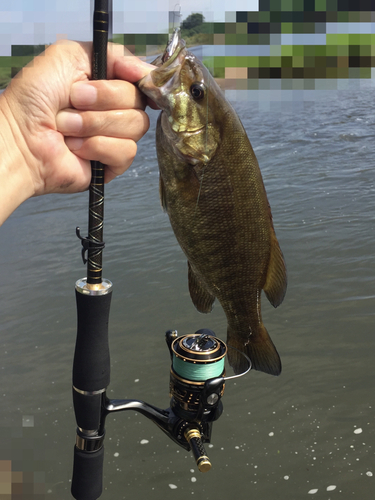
{"type": "Point", "coordinates": [140, 123]}
{"type": "Point", "coordinates": [131, 150]}
{"type": "Point", "coordinates": [146, 121]}
{"type": "Point", "coordinates": [99, 143]}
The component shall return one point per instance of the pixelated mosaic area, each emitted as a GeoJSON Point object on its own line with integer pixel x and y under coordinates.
{"type": "Point", "coordinates": [287, 39]}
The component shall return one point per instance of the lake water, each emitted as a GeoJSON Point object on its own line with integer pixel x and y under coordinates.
{"type": "Point", "coordinates": [309, 432]}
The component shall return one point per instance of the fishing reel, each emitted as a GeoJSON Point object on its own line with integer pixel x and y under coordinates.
{"type": "Point", "coordinates": [197, 382]}
{"type": "Point", "coordinates": [196, 388]}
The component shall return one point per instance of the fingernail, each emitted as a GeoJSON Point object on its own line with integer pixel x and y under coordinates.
{"type": "Point", "coordinates": [69, 122]}
{"type": "Point", "coordinates": [83, 94]}
{"type": "Point", "coordinates": [74, 143]}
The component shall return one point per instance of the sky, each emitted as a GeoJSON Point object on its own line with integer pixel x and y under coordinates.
{"type": "Point", "coordinates": [24, 22]}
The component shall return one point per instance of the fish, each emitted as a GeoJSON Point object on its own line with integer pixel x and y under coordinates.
{"type": "Point", "coordinates": [212, 189]}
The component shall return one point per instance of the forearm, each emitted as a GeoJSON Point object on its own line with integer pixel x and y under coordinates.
{"type": "Point", "coordinates": [16, 184]}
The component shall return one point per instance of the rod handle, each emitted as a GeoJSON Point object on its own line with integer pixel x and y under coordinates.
{"type": "Point", "coordinates": [87, 480]}
{"type": "Point", "coordinates": [91, 364]}
{"type": "Point", "coordinates": [193, 437]}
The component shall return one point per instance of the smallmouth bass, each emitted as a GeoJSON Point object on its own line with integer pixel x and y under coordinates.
{"type": "Point", "coordinates": [213, 192]}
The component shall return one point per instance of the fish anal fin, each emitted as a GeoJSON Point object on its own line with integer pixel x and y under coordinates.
{"type": "Point", "coordinates": [258, 347]}
{"type": "Point", "coordinates": [201, 297]}
{"type": "Point", "coordinates": [276, 280]}
{"type": "Point", "coordinates": [162, 194]}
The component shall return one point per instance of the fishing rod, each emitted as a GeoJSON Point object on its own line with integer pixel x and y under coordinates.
{"type": "Point", "coordinates": [197, 373]}
{"type": "Point", "coordinates": [91, 364]}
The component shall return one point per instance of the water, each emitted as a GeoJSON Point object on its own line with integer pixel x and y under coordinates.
{"type": "Point", "coordinates": [308, 432]}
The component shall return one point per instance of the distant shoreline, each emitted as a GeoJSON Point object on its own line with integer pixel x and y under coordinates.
{"type": "Point", "coordinates": [351, 56]}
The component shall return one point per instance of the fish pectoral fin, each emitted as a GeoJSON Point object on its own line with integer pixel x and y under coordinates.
{"type": "Point", "coordinates": [276, 280]}
{"type": "Point", "coordinates": [162, 194]}
{"type": "Point", "coordinates": [201, 297]}
{"type": "Point", "coordinates": [258, 347]}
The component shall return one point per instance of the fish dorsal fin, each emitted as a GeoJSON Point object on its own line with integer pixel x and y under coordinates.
{"type": "Point", "coordinates": [162, 194]}
{"type": "Point", "coordinates": [276, 280]}
{"type": "Point", "coordinates": [201, 297]}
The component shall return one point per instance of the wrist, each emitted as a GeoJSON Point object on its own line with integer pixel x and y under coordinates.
{"type": "Point", "coordinates": [16, 184]}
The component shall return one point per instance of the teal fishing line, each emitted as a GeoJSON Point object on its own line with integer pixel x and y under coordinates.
{"type": "Point", "coordinates": [197, 371]}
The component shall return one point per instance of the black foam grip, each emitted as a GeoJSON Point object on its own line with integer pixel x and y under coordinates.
{"type": "Point", "coordinates": [91, 365]}
{"type": "Point", "coordinates": [87, 481]}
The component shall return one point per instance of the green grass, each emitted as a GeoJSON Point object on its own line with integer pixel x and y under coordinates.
{"type": "Point", "coordinates": [10, 66]}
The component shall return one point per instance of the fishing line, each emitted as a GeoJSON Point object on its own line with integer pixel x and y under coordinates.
{"type": "Point", "coordinates": [176, 15]}
{"type": "Point", "coordinates": [200, 189]}
{"type": "Point", "coordinates": [197, 372]}
{"type": "Point", "coordinates": [206, 144]}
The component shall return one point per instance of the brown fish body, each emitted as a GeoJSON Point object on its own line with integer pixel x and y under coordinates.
{"type": "Point", "coordinates": [212, 189]}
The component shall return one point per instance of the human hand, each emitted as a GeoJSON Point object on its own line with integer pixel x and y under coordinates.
{"type": "Point", "coordinates": [53, 120]}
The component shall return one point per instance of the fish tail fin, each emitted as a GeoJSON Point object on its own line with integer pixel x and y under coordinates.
{"type": "Point", "coordinates": [258, 347]}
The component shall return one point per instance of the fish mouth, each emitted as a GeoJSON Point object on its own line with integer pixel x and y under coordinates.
{"type": "Point", "coordinates": [161, 82]}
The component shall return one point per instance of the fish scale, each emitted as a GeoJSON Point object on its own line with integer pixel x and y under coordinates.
{"type": "Point", "coordinates": [212, 189]}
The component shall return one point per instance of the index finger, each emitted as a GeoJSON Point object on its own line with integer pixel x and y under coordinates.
{"type": "Point", "coordinates": [105, 95]}
{"type": "Point", "coordinates": [126, 66]}
{"type": "Point", "coordinates": [118, 92]}
{"type": "Point", "coordinates": [123, 65]}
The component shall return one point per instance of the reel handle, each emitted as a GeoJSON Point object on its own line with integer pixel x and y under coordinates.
{"type": "Point", "coordinates": [194, 438]}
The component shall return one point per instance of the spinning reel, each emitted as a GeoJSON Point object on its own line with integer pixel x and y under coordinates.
{"type": "Point", "coordinates": [196, 388]}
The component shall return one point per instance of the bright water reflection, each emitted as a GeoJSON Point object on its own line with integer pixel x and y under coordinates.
{"type": "Point", "coordinates": [279, 438]}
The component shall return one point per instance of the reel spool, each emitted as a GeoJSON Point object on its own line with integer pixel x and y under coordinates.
{"type": "Point", "coordinates": [196, 358]}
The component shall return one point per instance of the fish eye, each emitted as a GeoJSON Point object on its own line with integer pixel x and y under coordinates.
{"type": "Point", "coordinates": [197, 91]}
